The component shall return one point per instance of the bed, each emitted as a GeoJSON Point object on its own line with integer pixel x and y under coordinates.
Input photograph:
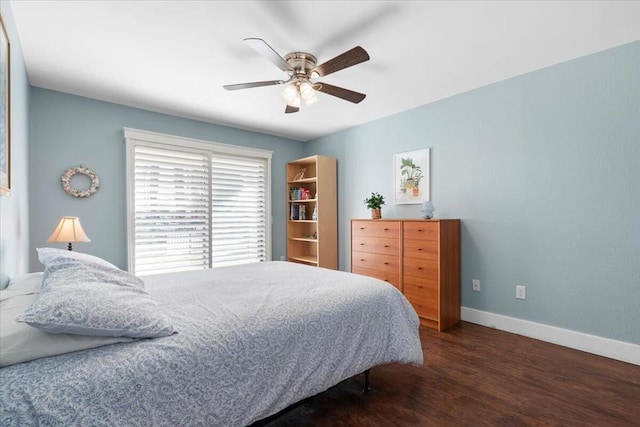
{"type": "Point", "coordinates": [246, 342]}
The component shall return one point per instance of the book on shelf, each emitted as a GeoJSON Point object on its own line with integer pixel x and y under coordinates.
{"type": "Point", "coordinates": [298, 212]}
{"type": "Point", "coordinates": [296, 193]}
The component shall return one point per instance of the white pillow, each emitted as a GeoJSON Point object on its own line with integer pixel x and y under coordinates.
{"type": "Point", "coordinates": [48, 255]}
{"type": "Point", "coordinates": [20, 342]}
{"type": "Point", "coordinates": [31, 282]}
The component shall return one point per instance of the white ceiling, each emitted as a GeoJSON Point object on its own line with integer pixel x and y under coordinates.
{"type": "Point", "coordinates": [174, 56]}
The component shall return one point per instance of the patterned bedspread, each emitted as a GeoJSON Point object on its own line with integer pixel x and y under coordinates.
{"type": "Point", "coordinates": [251, 341]}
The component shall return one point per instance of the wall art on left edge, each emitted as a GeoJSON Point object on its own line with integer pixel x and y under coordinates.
{"type": "Point", "coordinates": [412, 181]}
{"type": "Point", "coordinates": [5, 112]}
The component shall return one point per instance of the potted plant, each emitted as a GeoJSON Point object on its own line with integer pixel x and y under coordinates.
{"type": "Point", "coordinates": [375, 202]}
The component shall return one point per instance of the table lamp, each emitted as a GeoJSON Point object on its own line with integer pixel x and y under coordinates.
{"type": "Point", "coordinates": [68, 231]}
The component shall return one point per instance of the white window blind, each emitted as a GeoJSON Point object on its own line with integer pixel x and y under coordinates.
{"type": "Point", "coordinates": [238, 210]}
{"type": "Point", "coordinates": [194, 205]}
{"type": "Point", "coordinates": [172, 210]}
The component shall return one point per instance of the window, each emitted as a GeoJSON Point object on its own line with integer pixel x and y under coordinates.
{"type": "Point", "coordinates": [193, 204]}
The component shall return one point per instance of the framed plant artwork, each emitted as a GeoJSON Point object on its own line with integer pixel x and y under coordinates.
{"type": "Point", "coordinates": [5, 112]}
{"type": "Point", "coordinates": [412, 180]}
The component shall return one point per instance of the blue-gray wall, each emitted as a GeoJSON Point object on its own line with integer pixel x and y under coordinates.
{"type": "Point", "coordinates": [544, 172]}
{"type": "Point", "coordinates": [68, 130]}
{"type": "Point", "coordinates": [14, 210]}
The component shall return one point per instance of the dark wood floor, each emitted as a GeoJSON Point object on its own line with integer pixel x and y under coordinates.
{"type": "Point", "coordinates": [478, 376]}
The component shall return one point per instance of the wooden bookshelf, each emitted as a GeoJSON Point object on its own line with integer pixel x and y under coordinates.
{"type": "Point", "coordinates": [311, 184]}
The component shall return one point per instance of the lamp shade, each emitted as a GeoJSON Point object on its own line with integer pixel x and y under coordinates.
{"type": "Point", "coordinates": [69, 230]}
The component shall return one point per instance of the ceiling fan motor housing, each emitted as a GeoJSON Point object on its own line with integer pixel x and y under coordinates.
{"type": "Point", "coordinates": [302, 64]}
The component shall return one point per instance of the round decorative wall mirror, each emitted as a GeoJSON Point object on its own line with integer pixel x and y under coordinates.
{"type": "Point", "coordinates": [69, 188]}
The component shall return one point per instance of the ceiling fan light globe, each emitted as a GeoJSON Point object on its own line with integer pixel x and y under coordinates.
{"type": "Point", "coordinates": [308, 93]}
{"type": "Point", "coordinates": [296, 101]}
{"type": "Point", "coordinates": [311, 100]}
{"type": "Point", "coordinates": [293, 101]}
{"type": "Point", "coordinates": [289, 94]}
{"type": "Point", "coordinates": [306, 90]}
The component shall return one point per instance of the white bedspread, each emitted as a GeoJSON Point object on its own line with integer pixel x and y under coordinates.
{"type": "Point", "coordinates": [251, 341]}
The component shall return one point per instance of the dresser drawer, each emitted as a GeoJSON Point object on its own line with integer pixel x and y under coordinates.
{"type": "Point", "coordinates": [421, 249]}
{"type": "Point", "coordinates": [421, 286]}
{"type": "Point", "coordinates": [424, 307]}
{"type": "Point", "coordinates": [388, 263]}
{"type": "Point", "coordinates": [388, 276]}
{"type": "Point", "coordinates": [423, 230]}
{"type": "Point", "coordinates": [377, 228]}
{"type": "Point", "coordinates": [420, 269]}
{"type": "Point", "coordinates": [377, 245]}
{"type": "Point", "coordinates": [423, 295]}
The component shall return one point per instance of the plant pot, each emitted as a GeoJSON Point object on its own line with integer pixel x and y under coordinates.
{"type": "Point", "coordinates": [376, 213]}
{"type": "Point", "coordinates": [416, 191]}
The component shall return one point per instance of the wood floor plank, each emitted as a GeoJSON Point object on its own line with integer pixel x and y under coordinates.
{"type": "Point", "coordinates": [473, 375]}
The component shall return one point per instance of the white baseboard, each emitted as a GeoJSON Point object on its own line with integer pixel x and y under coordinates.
{"type": "Point", "coordinates": [606, 347]}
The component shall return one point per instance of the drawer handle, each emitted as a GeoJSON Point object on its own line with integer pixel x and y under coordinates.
{"type": "Point", "coordinates": [386, 263]}
{"type": "Point", "coordinates": [361, 244]}
{"type": "Point", "coordinates": [419, 268]}
{"type": "Point", "coordinates": [362, 260]}
{"type": "Point", "coordinates": [386, 280]}
{"type": "Point", "coordinates": [419, 249]}
{"type": "Point", "coordinates": [361, 228]}
{"type": "Point", "coordinates": [386, 246]}
{"type": "Point", "coordinates": [386, 229]}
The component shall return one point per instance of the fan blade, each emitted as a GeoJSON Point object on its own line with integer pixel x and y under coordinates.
{"type": "Point", "coordinates": [345, 60]}
{"type": "Point", "coordinates": [291, 109]}
{"type": "Point", "coordinates": [253, 84]}
{"type": "Point", "coordinates": [267, 51]}
{"type": "Point", "coordinates": [345, 94]}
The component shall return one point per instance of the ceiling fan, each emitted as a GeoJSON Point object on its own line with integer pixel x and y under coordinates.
{"type": "Point", "coordinates": [301, 68]}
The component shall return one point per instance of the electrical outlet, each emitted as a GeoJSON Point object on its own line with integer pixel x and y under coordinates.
{"type": "Point", "coordinates": [475, 283]}
{"type": "Point", "coordinates": [521, 292]}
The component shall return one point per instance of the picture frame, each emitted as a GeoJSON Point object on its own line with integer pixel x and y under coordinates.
{"type": "Point", "coordinates": [300, 174]}
{"type": "Point", "coordinates": [412, 178]}
{"type": "Point", "coordinates": [5, 111]}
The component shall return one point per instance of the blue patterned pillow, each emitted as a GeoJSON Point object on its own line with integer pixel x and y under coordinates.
{"type": "Point", "coordinates": [48, 255]}
{"type": "Point", "coordinates": [77, 270]}
{"type": "Point", "coordinates": [86, 298]}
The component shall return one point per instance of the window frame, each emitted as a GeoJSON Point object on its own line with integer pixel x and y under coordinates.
{"type": "Point", "coordinates": [133, 137]}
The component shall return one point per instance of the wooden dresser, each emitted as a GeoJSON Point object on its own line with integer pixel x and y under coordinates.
{"type": "Point", "coordinates": [419, 257]}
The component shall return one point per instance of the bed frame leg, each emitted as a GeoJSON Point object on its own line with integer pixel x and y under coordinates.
{"type": "Point", "coordinates": [366, 389]}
